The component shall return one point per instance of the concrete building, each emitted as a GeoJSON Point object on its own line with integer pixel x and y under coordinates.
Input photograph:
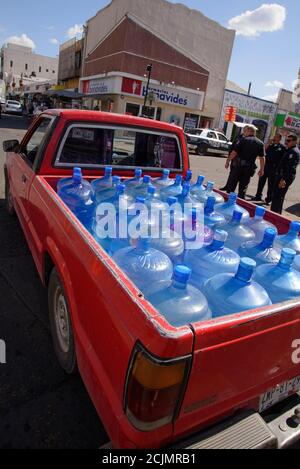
{"type": "Point", "coordinates": [190, 55]}
{"type": "Point", "coordinates": [288, 116]}
{"type": "Point", "coordinates": [19, 61]}
{"type": "Point", "coordinates": [69, 64]}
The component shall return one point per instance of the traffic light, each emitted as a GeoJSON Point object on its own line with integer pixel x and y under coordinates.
{"type": "Point", "coordinates": [230, 115]}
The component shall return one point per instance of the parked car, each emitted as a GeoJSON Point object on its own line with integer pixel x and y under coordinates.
{"type": "Point", "coordinates": [207, 384]}
{"type": "Point", "coordinates": [13, 107]}
{"type": "Point", "coordinates": [204, 141]}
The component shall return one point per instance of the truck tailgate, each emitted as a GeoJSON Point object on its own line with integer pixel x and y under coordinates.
{"type": "Point", "coordinates": [236, 360]}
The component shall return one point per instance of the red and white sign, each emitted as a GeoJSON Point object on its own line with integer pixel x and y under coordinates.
{"type": "Point", "coordinates": [131, 86]}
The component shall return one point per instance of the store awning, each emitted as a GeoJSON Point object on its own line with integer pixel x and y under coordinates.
{"type": "Point", "coordinates": [64, 94]}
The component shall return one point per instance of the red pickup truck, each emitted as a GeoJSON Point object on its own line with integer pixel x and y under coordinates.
{"type": "Point", "coordinates": [231, 382]}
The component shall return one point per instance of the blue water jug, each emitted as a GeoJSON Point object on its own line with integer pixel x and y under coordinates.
{"type": "Point", "coordinates": [142, 189]}
{"type": "Point", "coordinates": [297, 263]}
{"type": "Point", "coordinates": [231, 206]}
{"type": "Point", "coordinates": [258, 224]}
{"type": "Point", "coordinates": [172, 191]}
{"type": "Point", "coordinates": [112, 241]}
{"type": "Point", "coordinates": [153, 202]}
{"type": "Point", "coordinates": [164, 181]}
{"type": "Point", "coordinates": [104, 182]}
{"type": "Point", "coordinates": [281, 281]}
{"type": "Point", "coordinates": [180, 303]}
{"type": "Point", "coordinates": [212, 219]}
{"type": "Point", "coordinates": [105, 193]}
{"type": "Point", "coordinates": [234, 293]}
{"type": "Point", "coordinates": [188, 176]}
{"type": "Point", "coordinates": [136, 181]}
{"type": "Point", "coordinates": [143, 264]}
{"type": "Point", "coordinates": [198, 188]}
{"type": "Point", "coordinates": [291, 239]}
{"type": "Point", "coordinates": [79, 196]}
{"type": "Point", "coordinates": [264, 252]}
{"type": "Point", "coordinates": [211, 260]}
{"type": "Point", "coordinates": [192, 230]}
{"type": "Point", "coordinates": [238, 233]}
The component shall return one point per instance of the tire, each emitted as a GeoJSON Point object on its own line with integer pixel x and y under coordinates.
{"type": "Point", "coordinates": [61, 325]}
{"type": "Point", "coordinates": [202, 149]}
{"type": "Point", "coordinates": [9, 203]}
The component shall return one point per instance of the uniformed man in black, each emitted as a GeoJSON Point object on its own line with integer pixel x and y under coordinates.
{"type": "Point", "coordinates": [286, 173]}
{"type": "Point", "coordinates": [274, 153]}
{"type": "Point", "coordinates": [247, 151]}
{"type": "Point", "coordinates": [236, 142]}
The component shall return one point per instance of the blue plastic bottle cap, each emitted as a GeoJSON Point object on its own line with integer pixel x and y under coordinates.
{"type": "Point", "coordinates": [116, 180]}
{"type": "Point", "coordinates": [232, 197]}
{"type": "Point", "coordinates": [288, 256]}
{"type": "Point", "coordinates": [189, 175]}
{"type": "Point", "coordinates": [108, 171]}
{"type": "Point", "coordinates": [186, 189]}
{"type": "Point", "coordinates": [210, 202]}
{"type": "Point", "coordinates": [200, 180]}
{"type": "Point", "coordinates": [295, 226]}
{"type": "Point", "coordinates": [166, 172]}
{"type": "Point", "coordinates": [140, 200]}
{"type": "Point", "coordinates": [147, 179]}
{"type": "Point", "coordinates": [270, 233]}
{"type": "Point", "coordinates": [210, 185]}
{"type": "Point", "coordinates": [237, 216]}
{"type": "Point", "coordinates": [182, 274]}
{"type": "Point", "coordinates": [260, 212]}
{"type": "Point", "coordinates": [172, 200]}
{"type": "Point", "coordinates": [77, 175]}
{"type": "Point", "coordinates": [221, 235]}
{"type": "Point", "coordinates": [178, 179]}
{"type": "Point", "coordinates": [121, 188]}
{"type": "Point", "coordinates": [138, 173]}
{"type": "Point", "coordinates": [151, 190]}
{"type": "Point", "coordinates": [246, 269]}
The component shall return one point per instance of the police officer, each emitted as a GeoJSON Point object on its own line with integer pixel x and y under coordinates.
{"type": "Point", "coordinates": [234, 162]}
{"type": "Point", "coordinates": [286, 173]}
{"type": "Point", "coordinates": [274, 153]}
{"type": "Point", "coordinates": [247, 151]}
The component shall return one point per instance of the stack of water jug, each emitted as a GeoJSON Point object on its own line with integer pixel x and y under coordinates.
{"type": "Point", "coordinates": [242, 263]}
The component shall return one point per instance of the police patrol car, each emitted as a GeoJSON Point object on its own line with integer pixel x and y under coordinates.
{"type": "Point", "coordinates": [205, 141]}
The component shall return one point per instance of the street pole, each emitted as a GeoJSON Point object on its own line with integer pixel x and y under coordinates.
{"type": "Point", "coordinates": [149, 70]}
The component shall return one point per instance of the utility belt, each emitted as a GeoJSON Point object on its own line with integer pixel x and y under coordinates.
{"type": "Point", "coordinates": [239, 163]}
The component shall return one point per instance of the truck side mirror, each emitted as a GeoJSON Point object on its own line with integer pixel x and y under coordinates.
{"type": "Point", "coordinates": [11, 145]}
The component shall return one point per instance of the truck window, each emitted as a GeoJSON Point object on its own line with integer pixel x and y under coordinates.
{"type": "Point", "coordinates": [30, 150]}
{"type": "Point", "coordinates": [89, 146]}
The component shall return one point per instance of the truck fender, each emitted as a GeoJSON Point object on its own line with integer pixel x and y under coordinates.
{"type": "Point", "coordinates": [59, 263]}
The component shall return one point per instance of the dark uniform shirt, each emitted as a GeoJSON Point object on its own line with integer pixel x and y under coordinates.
{"type": "Point", "coordinates": [248, 149]}
{"type": "Point", "coordinates": [287, 168]}
{"type": "Point", "coordinates": [274, 155]}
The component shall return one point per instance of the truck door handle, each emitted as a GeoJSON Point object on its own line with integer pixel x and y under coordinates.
{"type": "Point", "coordinates": [24, 179]}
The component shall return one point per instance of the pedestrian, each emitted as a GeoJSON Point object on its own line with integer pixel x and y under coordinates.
{"type": "Point", "coordinates": [286, 173]}
{"type": "Point", "coordinates": [274, 153]}
{"type": "Point", "coordinates": [236, 141]}
{"type": "Point", "coordinates": [246, 151]}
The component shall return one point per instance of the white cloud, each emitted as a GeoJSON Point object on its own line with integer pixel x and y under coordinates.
{"type": "Point", "coordinates": [75, 30]}
{"type": "Point", "coordinates": [22, 40]}
{"type": "Point", "coordinates": [265, 19]}
{"type": "Point", "coordinates": [272, 97]}
{"type": "Point", "coordinates": [274, 84]}
{"type": "Point", "coordinates": [54, 41]}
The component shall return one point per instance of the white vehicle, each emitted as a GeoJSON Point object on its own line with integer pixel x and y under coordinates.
{"type": "Point", "coordinates": [205, 141]}
{"type": "Point", "coordinates": [13, 107]}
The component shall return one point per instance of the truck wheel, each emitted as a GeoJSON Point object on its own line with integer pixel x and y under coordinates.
{"type": "Point", "coordinates": [9, 203]}
{"type": "Point", "coordinates": [202, 149]}
{"type": "Point", "coordinates": [61, 324]}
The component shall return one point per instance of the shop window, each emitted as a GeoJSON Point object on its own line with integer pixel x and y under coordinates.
{"type": "Point", "coordinates": [132, 109]}
{"type": "Point", "coordinates": [11, 64]}
{"type": "Point", "coordinates": [190, 122]}
{"type": "Point", "coordinates": [158, 114]}
{"type": "Point", "coordinates": [40, 69]}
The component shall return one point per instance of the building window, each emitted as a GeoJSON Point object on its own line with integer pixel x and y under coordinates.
{"type": "Point", "coordinates": [47, 70]}
{"type": "Point", "coordinates": [26, 66]}
{"type": "Point", "coordinates": [40, 69]}
{"type": "Point", "coordinates": [53, 71]}
{"type": "Point", "coordinates": [11, 64]}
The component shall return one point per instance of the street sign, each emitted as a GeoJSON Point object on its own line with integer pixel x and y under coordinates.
{"type": "Point", "coordinates": [230, 115]}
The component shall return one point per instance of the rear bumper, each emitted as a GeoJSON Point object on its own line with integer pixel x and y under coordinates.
{"type": "Point", "coordinates": [251, 431]}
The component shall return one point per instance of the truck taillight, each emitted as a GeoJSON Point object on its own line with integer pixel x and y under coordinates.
{"type": "Point", "coordinates": [154, 389]}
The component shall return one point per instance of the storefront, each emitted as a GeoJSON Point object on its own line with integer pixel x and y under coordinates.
{"type": "Point", "coordinates": [250, 110]}
{"type": "Point", "coordinates": [125, 94]}
{"type": "Point", "coordinates": [287, 123]}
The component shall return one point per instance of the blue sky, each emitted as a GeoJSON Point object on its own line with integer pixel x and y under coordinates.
{"type": "Point", "coordinates": [259, 57]}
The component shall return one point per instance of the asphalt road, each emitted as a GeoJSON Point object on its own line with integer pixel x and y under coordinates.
{"type": "Point", "coordinates": [40, 407]}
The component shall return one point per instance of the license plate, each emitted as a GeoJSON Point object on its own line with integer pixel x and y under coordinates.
{"type": "Point", "coordinates": [279, 393]}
